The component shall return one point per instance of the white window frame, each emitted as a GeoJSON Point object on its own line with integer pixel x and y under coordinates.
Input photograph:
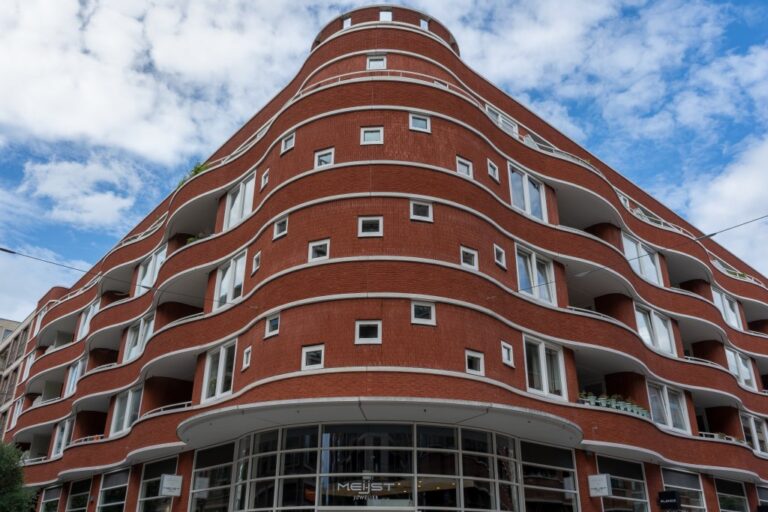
{"type": "Point", "coordinates": [313, 348]}
{"type": "Point", "coordinates": [141, 501]}
{"type": "Point", "coordinates": [246, 358]}
{"type": "Point", "coordinates": [385, 15]}
{"type": "Point", "coordinates": [318, 243]}
{"type": "Point", "coordinates": [370, 59]}
{"type": "Point", "coordinates": [322, 152]}
{"type": "Point", "coordinates": [656, 321]}
{"type": "Point", "coordinates": [18, 406]}
{"type": "Point", "coordinates": [370, 234]}
{"type": "Point", "coordinates": [45, 499]}
{"type": "Point", "coordinates": [463, 162]}
{"type": "Point", "coordinates": [428, 119]}
{"type": "Point", "coordinates": [475, 355]}
{"type": "Point", "coordinates": [755, 425]}
{"type": "Point", "coordinates": [70, 505]}
{"type": "Point", "coordinates": [256, 262]}
{"type": "Point", "coordinates": [372, 129]}
{"type": "Point", "coordinates": [673, 487]}
{"type": "Point", "coordinates": [432, 320]}
{"type": "Point", "coordinates": [276, 233]}
{"type": "Point", "coordinates": [740, 366]}
{"type": "Point", "coordinates": [475, 257]}
{"type": "Point", "coordinates": [537, 287]}
{"type": "Point", "coordinates": [231, 271]}
{"type": "Point", "coordinates": [74, 372]}
{"type": "Point", "coordinates": [639, 255]}
{"type": "Point", "coordinates": [728, 307]}
{"type": "Point", "coordinates": [268, 330]}
{"type": "Point", "coordinates": [346, 23]}
{"type": "Point", "coordinates": [541, 348]}
{"type": "Point", "coordinates": [143, 330]}
{"type": "Point", "coordinates": [100, 502]}
{"type": "Point", "coordinates": [368, 341]}
{"type": "Point", "coordinates": [84, 325]}
{"type": "Point", "coordinates": [742, 497]}
{"type": "Point", "coordinates": [131, 397]}
{"type": "Point", "coordinates": [221, 369]}
{"type": "Point", "coordinates": [504, 122]}
{"type": "Point", "coordinates": [264, 180]}
{"type": "Point", "coordinates": [500, 256]}
{"type": "Point", "coordinates": [413, 216]}
{"type": "Point", "coordinates": [288, 143]}
{"type": "Point", "coordinates": [28, 365]}
{"type": "Point", "coordinates": [507, 354]}
{"type": "Point", "coordinates": [62, 436]}
{"type": "Point", "coordinates": [38, 321]}
{"type": "Point", "coordinates": [423, 24]}
{"type": "Point", "coordinates": [527, 207]}
{"type": "Point", "coordinates": [493, 171]}
{"type": "Point", "coordinates": [666, 403]}
{"type": "Point", "coordinates": [148, 270]}
{"type": "Point", "coordinates": [239, 202]}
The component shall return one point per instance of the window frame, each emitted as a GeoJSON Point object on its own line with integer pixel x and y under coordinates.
{"type": "Point", "coordinates": [424, 24]}
{"type": "Point", "coordinates": [376, 57]}
{"type": "Point", "coordinates": [70, 507]}
{"type": "Point", "coordinates": [653, 317]}
{"type": "Point", "coordinates": [99, 502]}
{"type": "Point", "coordinates": [277, 233]}
{"type": "Point", "coordinates": [233, 266]}
{"type": "Point", "coordinates": [727, 306]}
{"type": "Point", "coordinates": [526, 179]}
{"type": "Point", "coordinates": [256, 262]}
{"type": "Point", "coordinates": [420, 218]}
{"type": "Point", "coordinates": [144, 329]}
{"type": "Point", "coordinates": [461, 161]}
{"type": "Point", "coordinates": [141, 500]}
{"type": "Point", "coordinates": [247, 351]}
{"type": "Point", "coordinates": [264, 180]}
{"type": "Point", "coordinates": [385, 15]}
{"type": "Point", "coordinates": [534, 259]}
{"type": "Point", "coordinates": [667, 404]}
{"type": "Point", "coordinates": [221, 365]}
{"type": "Point", "coordinates": [240, 192]}
{"type": "Point", "coordinates": [737, 362]}
{"type": "Point", "coordinates": [79, 366]}
{"type": "Point", "coordinates": [742, 497]}
{"type": "Point", "coordinates": [287, 143]}
{"type": "Point", "coordinates": [368, 341]}
{"type": "Point", "coordinates": [480, 356]}
{"type": "Point", "coordinates": [673, 487]}
{"type": "Point", "coordinates": [641, 252]}
{"type": "Point", "coordinates": [318, 243]}
{"type": "Point", "coordinates": [150, 266]}
{"type": "Point", "coordinates": [428, 119]}
{"type": "Point", "coordinates": [493, 171]}
{"type": "Point", "coordinates": [327, 151]}
{"type": "Point", "coordinates": [130, 394]}
{"type": "Point", "coordinates": [372, 129]}
{"type": "Point", "coordinates": [305, 350]}
{"type": "Point", "coordinates": [432, 320]}
{"type": "Point", "coordinates": [62, 436]}
{"type": "Point", "coordinates": [346, 22]}
{"type": "Point", "coordinates": [86, 315]}
{"type": "Point", "coordinates": [475, 257]}
{"type": "Point", "coordinates": [507, 347]}
{"type": "Point", "coordinates": [541, 348]}
{"type": "Point", "coordinates": [268, 331]}
{"type": "Point", "coordinates": [754, 430]}
{"type": "Point", "coordinates": [371, 234]}
{"type": "Point", "coordinates": [501, 262]}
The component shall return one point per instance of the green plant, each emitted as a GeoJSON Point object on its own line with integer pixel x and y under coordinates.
{"type": "Point", "coordinates": [194, 171]}
{"type": "Point", "coordinates": [13, 496]}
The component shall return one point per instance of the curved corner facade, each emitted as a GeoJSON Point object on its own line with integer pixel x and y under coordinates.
{"type": "Point", "coordinates": [396, 287]}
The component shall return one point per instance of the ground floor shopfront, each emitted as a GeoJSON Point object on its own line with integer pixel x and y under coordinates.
{"type": "Point", "coordinates": [391, 466]}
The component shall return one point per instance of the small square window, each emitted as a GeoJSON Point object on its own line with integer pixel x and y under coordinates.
{"type": "Point", "coordinates": [264, 179]}
{"type": "Point", "coordinates": [423, 313]}
{"type": "Point", "coordinates": [370, 226]}
{"type": "Point", "coordinates": [421, 211]}
{"type": "Point", "coordinates": [376, 62]}
{"type": "Point", "coordinates": [312, 357]}
{"type": "Point", "coordinates": [319, 250]}
{"type": "Point", "coordinates": [507, 354]}
{"type": "Point", "coordinates": [464, 167]}
{"type": "Point", "coordinates": [272, 325]}
{"type": "Point", "coordinates": [367, 332]}
{"type": "Point", "coordinates": [246, 358]}
{"type": "Point", "coordinates": [281, 228]}
{"type": "Point", "coordinates": [324, 158]}
{"type": "Point", "coordinates": [424, 24]}
{"type": "Point", "coordinates": [385, 15]}
{"type": "Point", "coordinates": [256, 262]}
{"type": "Point", "coordinates": [288, 142]}
{"type": "Point", "coordinates": [372, 135]}
{"type": "Point", "coordinates": [420, 123]}
{"type": "Point", "coordinates": [468, 258]}
{"type": "Point", "coordinates": [500, 256]}
{"type": "Point", "coordinates": [347, 22]}
{"type": "Point", "coordinates": [475, 362]}
{"type": "Point", "coordinates": [493, 170]}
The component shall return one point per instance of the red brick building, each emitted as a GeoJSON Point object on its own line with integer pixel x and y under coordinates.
{"type": "Point", "coordinates": [397, 287]}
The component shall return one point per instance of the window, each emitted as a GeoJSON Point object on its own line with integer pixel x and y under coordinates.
{"type": "Point", "coordinates": [84, 326]}
{"type": "Point", "coordinates": [346, 23]}
{"type": "Point", "coordinates": [549, 478]}
{"type": "Point", "coordinates": [534, 276]}
{"type": "Point", "coordinates": [281, 228]}
{"type": "Point", "coordinates": [504, 121]}
{"type": "Point", "coordinates": [229, 282]}
{"type": "Point", "coordinates": [376, 62]}
{"type": "Point", "coordinates": [527, 193]}
{"type": "Point", "coordinates": [464, 167]}
{"type": "Point", "coordinates": [421, 211]}
{"type": "Point", "coordinates": [731, 496]}
{"type": "Point", "coordinates": [62, 436]}
{"type": "Point", "coordinates": [36, 329]}
{"type": "Point", "coordinates": [319, 250]}
{"type": "Point", "coordinates": [468, 258]}
{"type": "Point", "coordinates": [126, 410]}
{"type": "Point", "coordinates": [288, 142]}
{"type": "Point", "coordinates": [741, 367]}
{"type": "Point", "coordinates": [264, 179]}
{"type": "Point", "coordinates": [239, 202]}
{"type": "Point", "coordinates": [114, 488]}
{"type": "Point", "coordinates": [370, 226]}
{"type": "Point", "coordinates": [312, 357]}
{"type": "Point", "coordinates": [668, 407]}
{"type": "Point", "coordinates": [475, 362]}
{"type": "Point", "coordinates": [256, 262]}
{"type": "Point", "coordinates": [17, 407]}
{"type": "Point", "coordinates": [372, 135]}
{"type": "Point", "coordinates": [728, 307]}
{"type": "Point", "coordinates": [49, 502]}
{"type": "Point", "coordinates": [367, 332]}
{"type": "Point", "coordinates": [627, 485]}
{"type": "Point", "coordinates": [500, 256]}
{"type": "Point", "coordinates": [219, 367]}
{"type": "Point", "coordinates": [493, 170]}
{"type": "Point", "coordinates": [424, 24]}
{"type": "Point", "coordinates": [137, 337]}
{"type": "Point", "coordinates": [76, 371]}
{"type": "Point", "coordinates": [211, 478]}
{"type": "Point", "coordinates": [324, 158]}
{"type": "Point", "coordinates": [246, 358]}
{"type": "Point", "coordinates": [385, 15]}
{"type": "Point", "coordinates": [688, 487]}
{"type": "Point", "coordinates": [544, 367]}
{"type": "Point", "coordinates": [79, 494]}
{"type": "Point", "coordinates": [755, 433]}
{"type": "Point", "coordinates": [762, 495]}
{"type": "Point", "coordinates": [423, 313]}
{"type": "Point", "coordinates": [641, 258]}
{"type": "Point", "coordinates": [28, 365]}
{"type": "Point", "coordinates": [655, 330]}
{"type": "Point", "coordinates": [150, 499]}
{"type": "Point", "coordinates": [272, 325]}
{"type": "Point", "coordinates": [419, 123]}
{"type": "Point", "coordinates": [149, 269]}
{"type": "Point", "coordinates": [507, 354]}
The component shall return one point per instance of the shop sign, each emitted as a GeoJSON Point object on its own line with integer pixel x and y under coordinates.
{"type": "Point", "coordinates": [669, 500]}
{"type": "Point", "coordinates": [363, 489]}
{"type": "Point", "coordinates": [600, 485]}
{"type": "Point", "coordinates": [170, 485]}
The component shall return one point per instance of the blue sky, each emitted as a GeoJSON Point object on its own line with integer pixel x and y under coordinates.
{"type": "Point", "coordinates": [105, 104]}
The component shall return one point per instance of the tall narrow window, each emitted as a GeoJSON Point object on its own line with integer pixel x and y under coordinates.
{"type": "Point", "coordinates": [17, 408]}
{"type": "Point", "coordinates": [507, 354]}
{"type": "Point", "coordinates": [668, 407]}
{"type": "Point", "coordinates": [545, 369]}
{"type": "Point", "coordinates": [264, 179]}
{"type": "Point", "coordinates": [137, 337]}
{"type": "Point", "coordinates": [688, 488]}
{"type": "Point", "coordinates": [642, 259]}
{"type": "Point", "coordinates": [219, 367]}
{"type": "Point", "coordinates": [74, 373]}
{"type": "Point", "coordinates": [535, 276]}
{"type": "Point", "coordinates": [114, 489]}
{"type": "Point", "coordinates": [84, 325]}
{"type": "Point", "coordinates": [500, 256]}
{"type": "Point", "coordinates": [126, 410]}
{"type": "Point", "coordinates": [280, 228]}
{"type": "Point", "coordinates": [731, 496]}
{"type": "Point", "coordinates": [38, 322]}
{"type": "Point", "coordinates": [28, 365]}
{"type": "Point", "coordinates": [728, 308]}
{"type": "Point", "coordinates": [527, 193]}
{"type": "Point", "coordinates": [62, 436]}
{"type": "Point", "coordinates": [149, 269]}
{"type": "Point", "coordinates": [79, 494]}
{"type": "Point", "coordinates": [230, 279]}
{"type": "Point", "coordinates": [655, 329]}
{"type": "Point", "coordinates": [239, 202]}
{"type": "Point", "coordinates": [627, 485]}
{"type": "Point", "coordinates": [493, 170]}
{"type": "Point", "coordinates": [150, 499]}
{"type": "Point", "coordinates": [212, 477]}
{"type": "Point", "coordinates": [755, 433]}
{"type": "Point", "coordinates": [49, 501]}
{"type": "Point", "coordinates": [288, 142]}
{"type": "Point", "coordinates": [741, 367]}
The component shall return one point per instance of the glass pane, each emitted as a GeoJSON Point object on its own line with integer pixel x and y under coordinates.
{"type": "Point", "coordinates": [505, 446]}
{"type": "Point", "coordinates": [478, 494]}
{"type": "Point", "coordinates": [630, 251]}
{"type": "Point", "coordinates": [507, 470]}
{"type": "Point", "coordinates": [262, 494]}
{"type": "Point", "coordinates": [663, 334]}
{"type": "Point", "coordinates": [516, 189]}
{"type": "Point", "coordinates": [677, 409]}
{"type": "Point", "coordinates": [214, 456]}
{"type": "Point", "coordinates": [367, 435]}
{"type": "Point", "coordinates": [299, 463]}
{"type": "Point", "coordinates": [436, 437]}
{"type": "Point", "coordinates": [554, 379]}
{"type": "Point", "coordinates": [264, 466]}
{"type": "Point", "coordinates": [644, 326]}
{"type": "Point", "coordinates": [548, 477]}
{"type": "Point", "coordinates": [297, 492]}
{"type": "Point", "coordinates": [229, 364]}
{"type": "Point", "coordinates": [534, 194]}
{"type": "Point", "coordinates": [213, 374]}
{"type": "Point", "coordinates": [543, 288]}
{"type": "Point", "coordinates": [615, 504]}
{"type": "Point", "coordinates": [477, 465]}
{"type": "Point", "coordinates": [367, 461]}
{"type": "Point", "coordinates": [524, 273]}
{"type": "Point", "coordinates": [658, 410]}
{"type": "Point", "coordinates": [533, 366]}
{"type": "Point", "coordinates": [265, 442]}
{"type": "Point", "coordinates": [438, 492]}
{"type": "Point", "coordinates": [436, 463]}
{"type": "Point", "coordinates": [211, 501]}
{"type": "Point", "coordinates": [507, 497]}
{"type": "Point", "coordinates": [475, 441]}
{"type": "Point", "coordinates": [216, 477]}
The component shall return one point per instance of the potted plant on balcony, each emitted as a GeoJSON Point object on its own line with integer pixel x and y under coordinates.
{"type": "Point", "coordinates": [602, 401]}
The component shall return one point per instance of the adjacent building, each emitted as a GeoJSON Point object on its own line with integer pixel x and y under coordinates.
{"type": "Point", "coordinates": [397, 287]}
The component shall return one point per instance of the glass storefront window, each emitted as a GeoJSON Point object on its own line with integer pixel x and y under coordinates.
{"type": "Point", "coordinates": [627, 483]}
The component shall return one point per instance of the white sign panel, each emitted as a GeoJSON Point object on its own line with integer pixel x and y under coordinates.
{"type": "Point", "coordinates": [170, 485]}
{"type": "Point", "coordinates": [600, 485]}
